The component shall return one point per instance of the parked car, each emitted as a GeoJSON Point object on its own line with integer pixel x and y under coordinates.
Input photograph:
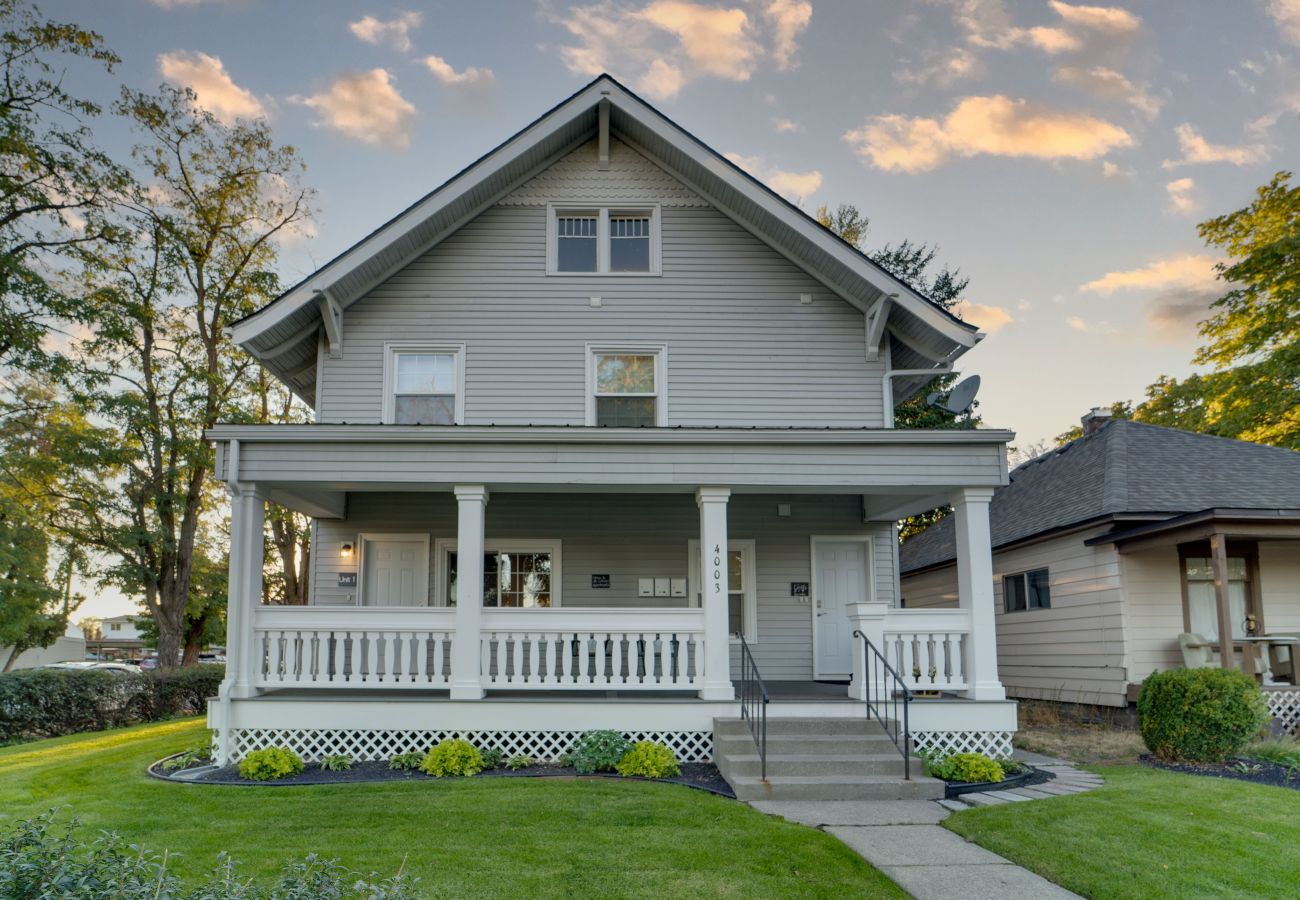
{"type": "Point", "coordinates": [84, 665]}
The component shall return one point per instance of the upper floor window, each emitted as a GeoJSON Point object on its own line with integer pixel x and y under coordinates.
{"type": "Point", "coordinates": [603, 240]}
{"type": "Point", "coordinates": [626, 386]}
{"type": "Point", "coordinates": [1027, 590]}
{"type": "Point", "coordinates": [424, 384]}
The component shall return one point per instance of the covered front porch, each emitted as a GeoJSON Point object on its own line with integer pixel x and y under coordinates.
{"type": "Point", "coordinates": [614, 605]}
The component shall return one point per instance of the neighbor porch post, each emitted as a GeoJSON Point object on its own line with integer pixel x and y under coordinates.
{"type": "Point", "coordinates": [244, 590]}
{"type": "Point", "coordinates": [1227, 649]}
{"type": "Point", "coordinates": [471, 503]}
{"type": "Point", "coordinates": [970, 508]}
{"type": "Point", "coordinates": [713, 593]}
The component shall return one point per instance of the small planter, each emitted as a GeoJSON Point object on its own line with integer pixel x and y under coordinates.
{"type": "Point", "coordinates": [953, 789]}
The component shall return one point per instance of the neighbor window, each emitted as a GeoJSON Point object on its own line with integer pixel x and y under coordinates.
{"type": "Point", "coordinates": [1027, 590]}
{"type": "Point", "coordinates": [626, 387]}
{"type": "Point", "coordinates": [516, 575]}
{"type": "Point", "coordinates": [423, 385]}
{"type": "Point", "coordinates": [603, 240]}
{"type": "Point", "coordinates": [1203, 604]}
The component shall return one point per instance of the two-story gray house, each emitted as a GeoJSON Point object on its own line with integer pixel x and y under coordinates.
{"type": "Point", "coordinates": [602, 424]}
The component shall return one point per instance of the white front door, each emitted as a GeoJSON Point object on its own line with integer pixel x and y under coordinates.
{"type": "Point", "coordinates": [840, 573]}
{"type": "Point", "coordinates": [394, 571]}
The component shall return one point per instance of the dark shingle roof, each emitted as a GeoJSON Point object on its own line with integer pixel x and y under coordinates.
{"type": "Point", "coordinates": [1129, 468]}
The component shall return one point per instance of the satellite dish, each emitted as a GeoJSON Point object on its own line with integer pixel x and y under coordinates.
{"type": "Point", "coordinates": [957, 401]}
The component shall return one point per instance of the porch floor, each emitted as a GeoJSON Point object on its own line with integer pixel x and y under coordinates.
{"type": "Point", "coordinates": [778, 691]}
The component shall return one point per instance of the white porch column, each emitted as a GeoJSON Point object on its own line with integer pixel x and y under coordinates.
{"type": "Point", "coordinates": [471, 503]}
{"type": "Point", "coordinates": [869, 618]}
{"type": "Point", "coordinates": [247, 518]}
{"type": "Point", "coordinates": [713, 593]}
{"type": "Point", "coordinates": [975, 590]}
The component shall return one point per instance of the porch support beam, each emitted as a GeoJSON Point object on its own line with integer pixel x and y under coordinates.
{"type": "Point", "coordinates": [712, 502]}
{"type": "Point", "coordinates": [975, 590]}
{"type": "Point", "coordinates": [471, 504]}
{"type": "Point", "coordinates": [331, 314]}
{"type": "Point", "coordinates": [1227, 649]}
{"type": "Point", "coordinates": [247, 518]}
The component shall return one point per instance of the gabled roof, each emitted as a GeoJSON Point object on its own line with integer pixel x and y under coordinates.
{"type": "Point", "coordinates": [1128, 470]}
{"type": "Point", "coordinates": [283, 334]}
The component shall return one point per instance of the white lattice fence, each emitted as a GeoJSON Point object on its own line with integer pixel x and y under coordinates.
{"type": "Point", "coordinates": [994, 744]}
{"type": "Point", "coordinates": [312, 744]}
{"type": "Point", "coordinates": [1285, 707]}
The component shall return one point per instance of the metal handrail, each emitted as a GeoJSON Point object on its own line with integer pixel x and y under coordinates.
{"type": "Point", "coordinates": [877, 670]}
{"type": "Point", "coordinates": [753, 704]}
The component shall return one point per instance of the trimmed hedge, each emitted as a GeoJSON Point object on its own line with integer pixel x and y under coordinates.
{"type": "Point", "coordinates": [39, 703]}
{"type": "Point", "coordinates": [1200, 715]}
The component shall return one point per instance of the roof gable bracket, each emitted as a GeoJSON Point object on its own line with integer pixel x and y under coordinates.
{"type": "Point", "coordinates": [331, 314]}
{"type": "Point", "coordinates": [875, 325]}
{"type": "Point", "coordinates": [602, 134]}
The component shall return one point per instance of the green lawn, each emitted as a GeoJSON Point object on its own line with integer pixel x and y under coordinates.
{"type": "Point", "coordinates": [484, 837]}
{"type": "Point", "coordinates": [1149, 833]}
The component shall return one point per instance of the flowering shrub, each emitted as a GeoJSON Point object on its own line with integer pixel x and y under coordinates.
{"type": "Point", "coordinates": [452, 757]}
{"type": "Point", "coordinates": [649, 759]}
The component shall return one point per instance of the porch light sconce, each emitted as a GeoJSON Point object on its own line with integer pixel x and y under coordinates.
{"type": "Point", "coordinates": [345, 550]}
{"type": "Point", "coordinates": [783, 509]}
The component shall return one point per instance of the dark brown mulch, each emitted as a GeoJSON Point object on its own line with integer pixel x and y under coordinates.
{"type": "Point", "coordinates": [1253, 770]}
{"type": "Point", "coordinates": [702, 776]}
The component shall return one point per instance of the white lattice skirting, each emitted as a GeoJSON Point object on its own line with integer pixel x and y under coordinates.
{"type": "Point", "coordinates": [362, 744]}
{"type": "Point", "coordinates": [1285, 707]}
{"type": "Point", "coordinates": [994, 744]}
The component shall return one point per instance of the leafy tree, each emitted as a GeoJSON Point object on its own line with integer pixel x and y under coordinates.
{"type": "Point", "coordinates": [198, 251]}
{"type": "Point", "coordinates": [289, 533]}
{"type": "Point", "coordinates": [913, 264]}
{"type": "Point", "coordinates": [205, 609]}
{"type": "Point", "coordinates": [54, 184]}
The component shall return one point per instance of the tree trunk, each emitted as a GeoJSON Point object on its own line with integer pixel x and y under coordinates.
{"type": "Point", "coordinates": [170, 619]}
{"type": "Point", "coordinates": [14, 652]}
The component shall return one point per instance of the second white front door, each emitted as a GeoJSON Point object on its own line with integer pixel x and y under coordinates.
{"type": "Point", "coordinates": [394, 571]}
{"type": "Point", "coordinates": [841, 572]}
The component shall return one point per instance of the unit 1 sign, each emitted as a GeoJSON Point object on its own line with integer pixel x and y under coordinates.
{"type": "Point", "coordinates": [347, 579]}
{"type": "Point", "coordinates": [798, 589]}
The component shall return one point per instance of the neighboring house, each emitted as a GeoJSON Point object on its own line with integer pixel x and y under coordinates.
{"type": "Point", "coordinates": [1104, 553]}
{"type": "Point", "coordinates": [119, 637]}
{"type": "Point", "coordinates": [65, 649]}
{"type": "Point", "coordinates": [633, 405]}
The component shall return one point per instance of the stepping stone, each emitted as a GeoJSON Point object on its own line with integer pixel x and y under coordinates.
{"type": "Point", "coordinates": [954, 805]}
{"type": "Point", "coordinates": [983, 799]}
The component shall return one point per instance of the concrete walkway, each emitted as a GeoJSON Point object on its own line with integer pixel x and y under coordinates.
{"type": "Point", "coordinates": [903, 839]}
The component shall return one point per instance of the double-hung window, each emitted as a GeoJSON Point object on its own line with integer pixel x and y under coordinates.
{"type": "Point", "coordinates": [626, 386]}
{"type": "Point", "coordinates": [424, 384]}
{"type": "Point", "coordinates": [1027, 590]}
{"type": "Point", "coordinates": [603, 240]}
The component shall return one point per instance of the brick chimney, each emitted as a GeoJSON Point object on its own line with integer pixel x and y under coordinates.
{"type": "Point", "coordinates": [1095, 418]}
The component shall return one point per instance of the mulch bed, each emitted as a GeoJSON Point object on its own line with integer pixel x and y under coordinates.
{"type": "Point", "coordinates": [1252, 770]}
{"type": "Point", "coordinates": [701, 776]}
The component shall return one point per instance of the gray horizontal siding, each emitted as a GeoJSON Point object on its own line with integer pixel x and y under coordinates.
{"type": "Point", "coordinates": [628, 537]}
{"type": "Point", "coordinates": [742, 350]}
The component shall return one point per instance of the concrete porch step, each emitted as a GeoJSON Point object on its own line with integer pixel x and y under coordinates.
{"type": "Point", "coordinates": [817, 764]}
{"type": "Point", "coordinates": [805, 743]}
{"type": "Point", "coordinates": [781, 725]}
{"type": "Point", "coordinates": [836, 787]}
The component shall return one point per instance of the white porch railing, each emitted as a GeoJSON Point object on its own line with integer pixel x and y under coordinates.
{"type": "Point", "coordinates": [370, 646]}
{"type": "Point", "coordinates": [585, 649]}
{"type": "Point", "coordinates": [929, 647]}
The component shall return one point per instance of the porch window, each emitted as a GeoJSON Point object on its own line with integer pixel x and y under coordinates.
{"type": "Point", "coordinates": [1202, 605]}
{"type": "Point", "coordinates": [626, 386]}
{"type": "Point", "coordinates": [603, 240]}
{"type": "Point", "coordinates": [742, 597]}
{"type": "Point", "coordinates": [423, 384]}
{"type": "Point", "coordinates": [515, 575]}
{"type": "Point", "coordinates": [1027, 590]}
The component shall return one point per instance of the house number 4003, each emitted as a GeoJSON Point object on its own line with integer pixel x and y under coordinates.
{"type": "Point", "coordinates": [717, 571]}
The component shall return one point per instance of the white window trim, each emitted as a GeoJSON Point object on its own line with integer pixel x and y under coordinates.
{"type": "Point", "coordinates": [660, 353]}
{"type": "Point", "coordinates": [553, 546]}
{"type": "Point", "coordinates": [360, 549]}
{"type": "Point", "coordinates": [392, 349]}
{"type": "Point", "coordinates": [749, 598]}
{"type": "Point", "coordinates": [603, 211]}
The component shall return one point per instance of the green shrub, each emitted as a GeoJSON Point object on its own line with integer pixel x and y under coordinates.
{"type": "Point", "coordinates": [181, 692]}
{"type": "Point", "coordinates": [492, 758]}
{"type": "Point", "coordinates": [1199, 715]}
{"type": "Point", "coordinates": [188, 759]}
{"type": "Point", "coordinates": [515, 763]}
{"type": "Point", "coordinates": [43, 858]}
{"type": "Point", "coordinates": [598, 751]}
{"type": "Point", "coordinates": [270, 764]}
{"type": "Point", "coordinates": [649, 759]}
{"type": "Point", "coordinates": [963, 767]}
{"type": "Point", "coordinates": [452, 757]}
{"type": "Point", "coordinates": [1283, 752]}
{"type": "Point", "coordinates": [336, 762]}
{"type": "Point", "coordinates": [407, 762]}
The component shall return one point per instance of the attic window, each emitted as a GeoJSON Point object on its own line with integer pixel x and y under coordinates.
{"type": "Point", "coordinates": [603, 240]}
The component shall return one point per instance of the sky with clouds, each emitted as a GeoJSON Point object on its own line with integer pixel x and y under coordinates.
{"type": "Point", "coordinates": [1060, 154]}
